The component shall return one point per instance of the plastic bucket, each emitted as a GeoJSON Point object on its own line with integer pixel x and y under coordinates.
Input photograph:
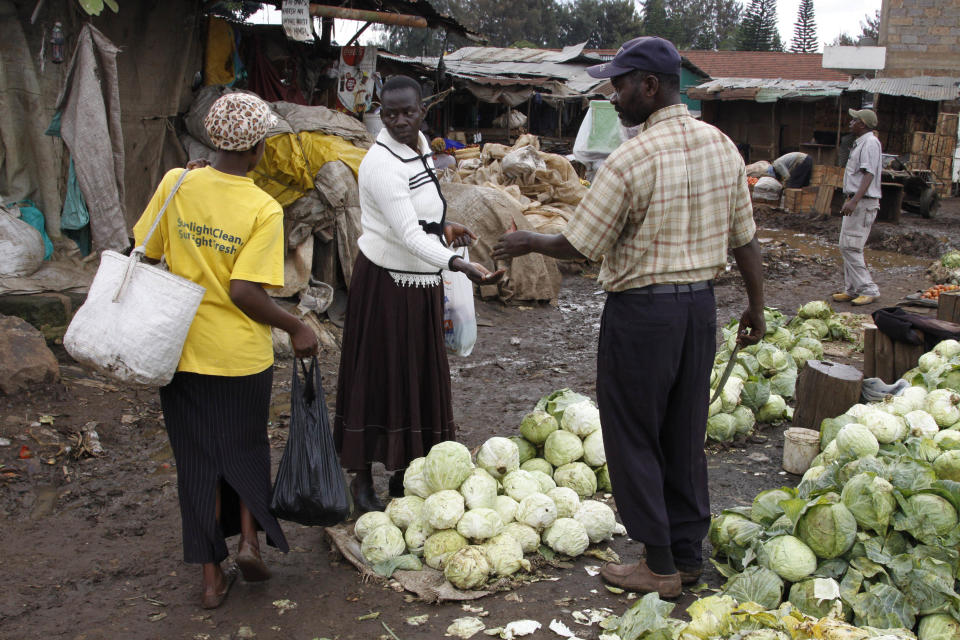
{"type": "Point", "coordinates": [800, 447]}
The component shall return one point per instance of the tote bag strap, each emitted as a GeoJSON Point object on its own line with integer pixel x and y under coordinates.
{"type": "Point", "coordinates": [140, 250]}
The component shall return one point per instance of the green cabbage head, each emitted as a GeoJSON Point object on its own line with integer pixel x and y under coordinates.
{"type": "Point", "coordinates": [947, 465]}
{"type": "Point", "coordinates": [537, 464]}
{"type": "Point", "coordinates": [577, 476]}
{"type": "Point", "coordinates": [537, 425]}
{"type": "Point", "coordinates": [498, 456]}
{"type": "Point", "coordinates": [467, 568]}
{"type": "Point", "coordinates": [722, 427]}
{"type": "Point", "coordinates": [443, 509]}
{"type": "Point", "coordinates": [562, 447]}
{"type": "Point", "coordinates": [528, 538]}
{"type": "Point", "coordinates": [526, 449]}
{"type": "Point", "coordinates": [383, 543]}
{"type": "Point", "coordinates": [506, 507]}
{"type": "Point", "coordinates": [828, 529]}
{"type": "Point", "coordinates": [566, 499]}
{"type": "Point", "coordinates": [447, 465]}
{"type": "Point", "coordinates": [368, 522]}
{"type": "Point", "coordinates": [581, 419]}
{"type": "Point", "coordinates": [480, 524]}
{"type": "Point", "coordinates": [790, 558]}
{"type": "Point", "coordinates": [479, 489]}
{"type": "Point", "coordinates": [505, 555]}
{"type": "Point", "coordinates": [567, 536]}
{"type": "Point", "coordinates": [939, 626]}
{"type": "Point", "coordinates": [870, 499]}
{"type": "Point", "coordinates": [440, 546]}
{"type": "Point", "coordinates": [598, 519]}
{"type": "Point", "coordinates": [405, 510]}
{"type": "Point", "coordinates": [857, 440]}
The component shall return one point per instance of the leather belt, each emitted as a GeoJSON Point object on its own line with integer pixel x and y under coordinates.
{"type": "Point", "coordinates": [672, 288]}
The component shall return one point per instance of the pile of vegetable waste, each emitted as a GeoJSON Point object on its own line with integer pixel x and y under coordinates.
{"type": "Point", "coordinates": [477, 517]}
{"type": "Point", "coordinates": [721, 616]}
{"type": "Point", "coordinates": [764, 376]}
{"type": "Point", "coordinates": [871, 534]}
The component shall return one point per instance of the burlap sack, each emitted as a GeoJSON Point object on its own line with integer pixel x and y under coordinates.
{"type": "Point", "coordinates": [489, 213]}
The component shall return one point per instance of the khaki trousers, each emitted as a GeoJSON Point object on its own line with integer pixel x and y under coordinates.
{"type": "Point", "coordinates": [854, 231]}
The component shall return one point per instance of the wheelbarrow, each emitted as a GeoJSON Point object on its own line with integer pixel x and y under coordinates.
{"type": "Point", "coordinates": [919, 185]}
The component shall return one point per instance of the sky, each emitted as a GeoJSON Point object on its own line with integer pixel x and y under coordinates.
{"type": "Point", "coordinates": [832, 18]}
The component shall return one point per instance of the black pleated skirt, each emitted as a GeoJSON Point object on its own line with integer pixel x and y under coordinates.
{"type": "Point", "coordinates": [393, 391]}
{"type": "Point", "coordinates": [218, 432]}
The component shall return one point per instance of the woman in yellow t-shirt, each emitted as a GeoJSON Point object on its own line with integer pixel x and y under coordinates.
{"type": "Point", "coordinates": [226, 234]}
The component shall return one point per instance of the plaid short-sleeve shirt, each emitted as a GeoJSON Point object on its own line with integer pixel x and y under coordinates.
{"type": "Point", "coordinates": [666, 205]}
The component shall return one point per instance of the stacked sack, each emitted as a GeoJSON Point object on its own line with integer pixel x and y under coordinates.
{"type": "Point", "coordinates": [477, 518]}
{"type": "Point", "coordinates": [764, 377]}
{"type": "Point", "coordinates": [872, 531]}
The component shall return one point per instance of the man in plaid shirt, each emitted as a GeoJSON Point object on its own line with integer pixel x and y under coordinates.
{"type": "Point", "coordinates": [661, 214]}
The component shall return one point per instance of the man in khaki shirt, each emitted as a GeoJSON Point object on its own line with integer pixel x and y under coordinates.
{"type": "Point", "coordinates": [661, 214]}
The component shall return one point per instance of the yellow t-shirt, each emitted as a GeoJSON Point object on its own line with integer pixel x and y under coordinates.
{"type": "Point", "coordinates": [219, 227]}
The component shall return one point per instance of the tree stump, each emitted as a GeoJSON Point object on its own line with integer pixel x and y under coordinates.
{"type": "Point", "coordinates": [825, 390]}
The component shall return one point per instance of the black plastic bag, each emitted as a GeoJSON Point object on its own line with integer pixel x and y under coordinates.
{"type": "Point", "coordinates": [310, 487]}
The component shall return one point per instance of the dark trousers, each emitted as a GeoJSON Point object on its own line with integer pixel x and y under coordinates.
{"type": "Point", "coordinates": [654, 361]}
{"type": "Point", "coordinates": [800, 175]}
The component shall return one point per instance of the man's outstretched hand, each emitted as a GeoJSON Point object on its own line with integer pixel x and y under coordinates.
{"type": "Point", "coordinates": [512, 244]}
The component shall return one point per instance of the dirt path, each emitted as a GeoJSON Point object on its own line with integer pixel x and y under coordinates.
{"type": "Point", "coordinates": [91, 548]}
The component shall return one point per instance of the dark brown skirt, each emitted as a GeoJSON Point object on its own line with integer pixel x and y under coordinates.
{"type": "Point", "coordinates": [393, 392]}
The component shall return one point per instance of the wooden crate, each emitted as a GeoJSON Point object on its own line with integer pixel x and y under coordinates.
{"type": "Point", "coordinates": [808, 198]}
{"type": "Point", "coordinates": [947, 124]}
{"type": "Point", "coordinates": [885, 358]}
{"type": "Point", "coordinates": [823, 204]}
{"type": "Point", "coordinates": [948, 307]}
{"type": "Point", "coordinates": [791, 199]}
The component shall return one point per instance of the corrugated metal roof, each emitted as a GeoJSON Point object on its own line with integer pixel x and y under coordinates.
{"type": "Point", "coordinates": [932, 88]}
{"type": "Point", "coordinates": [766, 89]}
{"type": "Point", "coordinates": [522, 55]}
{"type": "Point", "coordinates": [538, 68]}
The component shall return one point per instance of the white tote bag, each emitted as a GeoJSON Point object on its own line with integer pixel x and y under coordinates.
{"type": "Point", "coordinates": [135, 319]}
{"type": "Point", "coordinates": [459, 317]}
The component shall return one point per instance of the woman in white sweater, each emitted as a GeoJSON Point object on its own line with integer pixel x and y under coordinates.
{"type": "Point", "coordinates": [393, 394]}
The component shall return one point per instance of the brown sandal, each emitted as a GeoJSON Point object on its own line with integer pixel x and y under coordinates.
{"type": "Point", "coordinates": [214, 600]}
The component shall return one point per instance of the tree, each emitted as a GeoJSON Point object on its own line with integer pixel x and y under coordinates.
{"type": "Point", "coordinates": [654, 20]}
{"type": "Point", "coordinates": [602, 24]}
{"type": "Point", "coordinates": [843, 40]}
{"type": "Point", "coordinates": [758, 31]}
{"type": "Point", "coordinates": [870, 26]}
{"type": "Point", "coordinates": [804, 30]}
{"type": "Point", "coordinates": [716, 27]}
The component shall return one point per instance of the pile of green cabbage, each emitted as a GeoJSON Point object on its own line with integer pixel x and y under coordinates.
{"type": "Point", "coordinates": [477, 517]}
{"type": "Point", "coordinates": [723, 617]}
{"type": "Point", "coordinates": [764, 377]}
{"type": "Point", "coordinates": [872, 529]}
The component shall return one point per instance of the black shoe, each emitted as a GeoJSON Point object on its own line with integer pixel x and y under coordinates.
{"type": "Point", "coordinates": [689, 574]}
{"type": "Point", "coordinates": [365, 498]}
{"type": "Point", "coordinates": [396, 483]}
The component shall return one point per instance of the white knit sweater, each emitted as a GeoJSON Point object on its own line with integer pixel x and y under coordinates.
{"type": "Point", "coordinates": [398, 188]}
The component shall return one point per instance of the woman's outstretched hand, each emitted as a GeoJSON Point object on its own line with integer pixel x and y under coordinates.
{"type": "Point", "coordinates": [477, 272]}
{"type": "Point", "coordinates": [457, 235]}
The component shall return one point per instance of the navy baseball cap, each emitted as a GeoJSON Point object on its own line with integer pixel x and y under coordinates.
{"type": "Point", "coordinates": [649, 53]}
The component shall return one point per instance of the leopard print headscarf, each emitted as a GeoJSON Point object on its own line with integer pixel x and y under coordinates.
{"type": "Point", "coordinates": [238, 121]}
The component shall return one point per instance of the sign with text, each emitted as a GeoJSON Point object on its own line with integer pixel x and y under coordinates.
{"type": "Point", "coordinates": [295, 15]}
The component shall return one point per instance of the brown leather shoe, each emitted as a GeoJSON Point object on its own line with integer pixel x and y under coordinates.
{"type": "Point", "coordinates": [642, 580]}
{"type": "Point", "coordinates": [689, 574]}
{"type": "Point", "coordinates": [213, 599]}
{"type": "Point", "coordinates": [251, 565]}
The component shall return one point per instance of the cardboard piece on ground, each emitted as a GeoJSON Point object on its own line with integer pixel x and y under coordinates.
{"type": "Point", "coordinates": [428, 584]}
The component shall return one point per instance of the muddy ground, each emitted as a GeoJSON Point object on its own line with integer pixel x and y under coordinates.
{"type": "Point", "coordinates": [91, 547]}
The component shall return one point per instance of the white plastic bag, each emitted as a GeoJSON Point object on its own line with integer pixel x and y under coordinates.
{"type": "Point", "coordinates": [21, 246]}
{"type": "Point", "coordinates": [135, 319]}
{"type": "Point", "coordinates": [459, 317]}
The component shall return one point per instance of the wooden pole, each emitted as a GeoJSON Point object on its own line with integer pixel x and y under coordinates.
{"type": "Point", "coordinates": [380, 17]}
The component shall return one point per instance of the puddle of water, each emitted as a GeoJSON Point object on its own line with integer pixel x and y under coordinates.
{"type": "Point", "coordinates": [814, 247]}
